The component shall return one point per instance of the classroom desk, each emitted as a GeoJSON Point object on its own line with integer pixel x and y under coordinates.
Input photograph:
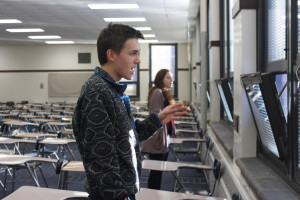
{"type": "Point", "coordinates": [35, 193]}
{"type": "Point", "coordinates": [15, 160]}
{"type": "Point", "coordinates": [173, 167]}
{"type": "Point", "coordinates": [72, 166]}
{"type": "Point", "coordinates": [35, 135]}
{"type": "Point", "coordinates": [42, 120]}
{"type": "Point", "coordinates": [45, 141]}
{"type": "Point", "coordinates": [185, 122]}
{"type": "Point", "coordinates": [150, 194]}
{"type": "Point", "coordinates": [181, 140]}
{"type": "Point", "coordinates": [19, 124]}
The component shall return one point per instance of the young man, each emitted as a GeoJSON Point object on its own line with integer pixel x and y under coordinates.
{"type": "Point", "coordinates": [105, 132]}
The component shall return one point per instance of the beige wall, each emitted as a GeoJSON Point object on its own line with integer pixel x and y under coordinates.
{"type": "Point", "coordinates": [26, 86]}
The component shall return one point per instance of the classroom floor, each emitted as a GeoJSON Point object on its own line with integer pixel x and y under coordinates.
{"type": "Point", "coordinates": [190, 178]}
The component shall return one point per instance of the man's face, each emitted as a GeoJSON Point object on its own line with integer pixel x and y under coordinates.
{"type": "Point", "coordinates": [127, 60]}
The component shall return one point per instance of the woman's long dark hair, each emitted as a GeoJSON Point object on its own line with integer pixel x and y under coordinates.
{"type": "Point", "coordinates": [158, 83]}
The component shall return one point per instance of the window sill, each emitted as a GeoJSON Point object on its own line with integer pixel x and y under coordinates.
{"type": "Point", "coordinates": [264, 182]}
{"type": "Point", "coordinates": [224, 133]}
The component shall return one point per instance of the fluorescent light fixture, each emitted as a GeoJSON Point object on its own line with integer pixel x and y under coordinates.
{"type": "Point", "coordinates": [143, 28]}
{"type": "Point", "coordinates": [148, 35]}
{"type": "Point", "coordinates": [24, 30]}
{"type": "Point", "coordinates": [59, 42]}
{"type": "Point", "coordinates": [36, 37]}
{"type": "Point", "coordinates": [112, 6]}
{"type": "Point", "coordinates": [148, 41]}
{"type": "Point", "coordinates": [9, 21]}
{"type": "Point", "coordinates": [132, 19]}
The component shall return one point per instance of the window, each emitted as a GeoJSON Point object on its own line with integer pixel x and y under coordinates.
{"type": "Point", "coordinates": [226, 98]}
{"type": "Point", "coordinates": [133, 85]}
{"type": "Point", "coordinates": [272, 36]}
{"type": "Point", "coordinates": [227, 38]}
{"type": "Point", "coordinates": [163, 56]}
{"type": "Point", "coordinates": [267, 112]}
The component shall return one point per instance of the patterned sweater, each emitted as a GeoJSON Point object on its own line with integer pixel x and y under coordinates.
{"type": "Point", "coordinates": [107, 138]}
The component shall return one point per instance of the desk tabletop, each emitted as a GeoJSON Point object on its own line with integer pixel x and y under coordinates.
{"type": "Point", "coordinates": [186, 130]}
{"type": "Point", "coordinates": [19, 123]}
{"type": "Point", "coordinates": [185, 122]}
{"type": "Point", "coordinates": [42, 120]}
{"type": "Point", "coordinates": [38, 193]}
{"type": "Point", "coordinates": [180, 140]}
{"type": "Point", "coordinates": [168, 166]}
{"type": "Point", "coordinates": [74, 166]}
{"type": "Point", "coordinates": [20, 159]}
{"type": "Point", "coordinates": [34, 135]}
{"type": "Point", "coordinates": [150, 194]}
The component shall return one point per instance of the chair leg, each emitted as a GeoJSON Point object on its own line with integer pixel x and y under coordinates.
{"type": "Point", "coordinates": [41, 171]}
{"type": "Point", "coordinates": [13, 181]}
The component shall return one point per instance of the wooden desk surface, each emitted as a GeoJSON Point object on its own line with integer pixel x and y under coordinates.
{"type": "Point", "coordinates": [168, 166]}
{"type": "Point", "coordinates": [74, 166]}
{"type": "Point", "coordinates": [42, 120]}
{"type": "Point", "coordinates": [181, 140]}
{"type": "Point", "coordinates": [20, 159]}
{"type": "Point", "coordinates": [19, 123]}
{"type": "Point", "coordinates": [150, 194]}
{"type": "Point", "coordinates": [34, 135]}
{"type": "Point", "coordinates": [38, 193]}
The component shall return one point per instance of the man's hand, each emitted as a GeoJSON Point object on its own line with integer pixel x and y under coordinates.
{"type": "Point", "coordinates": [171, 112]}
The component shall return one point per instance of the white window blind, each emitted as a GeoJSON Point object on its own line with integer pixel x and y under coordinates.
{"type": "Point", "coordinates": [275, 31]}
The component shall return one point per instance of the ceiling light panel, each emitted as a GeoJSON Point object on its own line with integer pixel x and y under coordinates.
{"type": "Point", "coordinates": [112, 6]}
{"type": "Point", "coordinates": [24, 30]}
{"type": "Point", "coordinates": [59, 42]}
{"type": "Point", "coordinates": [9, 21]}
{"type": "Point", "coordinates": [143, 28]}
{"type": "Point", "coordinates": [130, 19]}
{"type": "Point", "coordinates": [149, 35]}
{"type": "Point", "coordinates": [36, 37]}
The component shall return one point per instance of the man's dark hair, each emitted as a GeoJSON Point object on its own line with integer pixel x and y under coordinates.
{"type": "Point", "coordinates": [113, 37]}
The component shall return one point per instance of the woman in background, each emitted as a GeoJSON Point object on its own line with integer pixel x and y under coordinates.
{"type": "Point", "coordinates": [156, 147]}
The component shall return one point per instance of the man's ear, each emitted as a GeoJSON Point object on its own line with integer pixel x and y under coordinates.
{"type": "Point", "coordinates": [110, 55]}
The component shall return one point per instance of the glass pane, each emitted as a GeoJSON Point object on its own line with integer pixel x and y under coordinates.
{"type": "Point", "coordinates": [298, 26]}
{"type": "Point", "coordinates": [163, 57]}
{"type": "Point", "coordinates": [225, 103]}
{"type": "Point", "coordinates": [131, 89]}
{"type": "Point", "coordinates": [261, 118]}
{"type": "Point", "coordinates": [135, 76]}
{"type": "Point", "coordinates": [231, 36]}
{"type": "Point", "coordinates": [298, 110]}
{"type": "Point", "coordinates": [281, 80]}
{"type": "Point", "coordinates": [275, 23]}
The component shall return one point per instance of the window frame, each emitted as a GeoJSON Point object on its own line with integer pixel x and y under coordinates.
{"type": "Point", "coordinates": [137, 96]}
{"type": "Point", "coordinates": [289, 172]}
{"type": "Point", "coordinates": [225, 53]}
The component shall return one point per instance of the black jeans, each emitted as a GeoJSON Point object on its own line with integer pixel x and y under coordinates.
{"type": "Point", "coordinates": [154, 180]}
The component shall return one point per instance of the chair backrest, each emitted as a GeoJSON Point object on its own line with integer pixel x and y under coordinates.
{"type": "Point", "coordinates": [207, 143]}
{"type": "Point", "coordinates": [235, 196]}
{"type": "Point", "coordinates": [216, 173]}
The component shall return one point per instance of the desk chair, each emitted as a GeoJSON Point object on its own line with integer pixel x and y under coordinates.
{"type": "Point", "coordinates": [173, 167]}
{"type": "Point", "coordinates": [180, 148]}
{"type": "Point", "coordinates": [63, 170]}
{"type": "Point", "coordinates": [60, 142]}
{"type": "Point", "coordinates": [15, 161]}
{"type": "Point", "coordinates": [151, 194]}
{"type": "Point", "coordinates": [38, 193]}
{"type": "Point", "coordinates": [195, 146]}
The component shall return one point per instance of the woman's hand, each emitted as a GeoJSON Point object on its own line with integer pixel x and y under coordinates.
{"type": "Point", "coordinates": [171, 112]}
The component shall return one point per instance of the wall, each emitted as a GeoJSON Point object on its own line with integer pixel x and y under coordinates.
{"type": "Point", "coordinates": [26, 85]}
